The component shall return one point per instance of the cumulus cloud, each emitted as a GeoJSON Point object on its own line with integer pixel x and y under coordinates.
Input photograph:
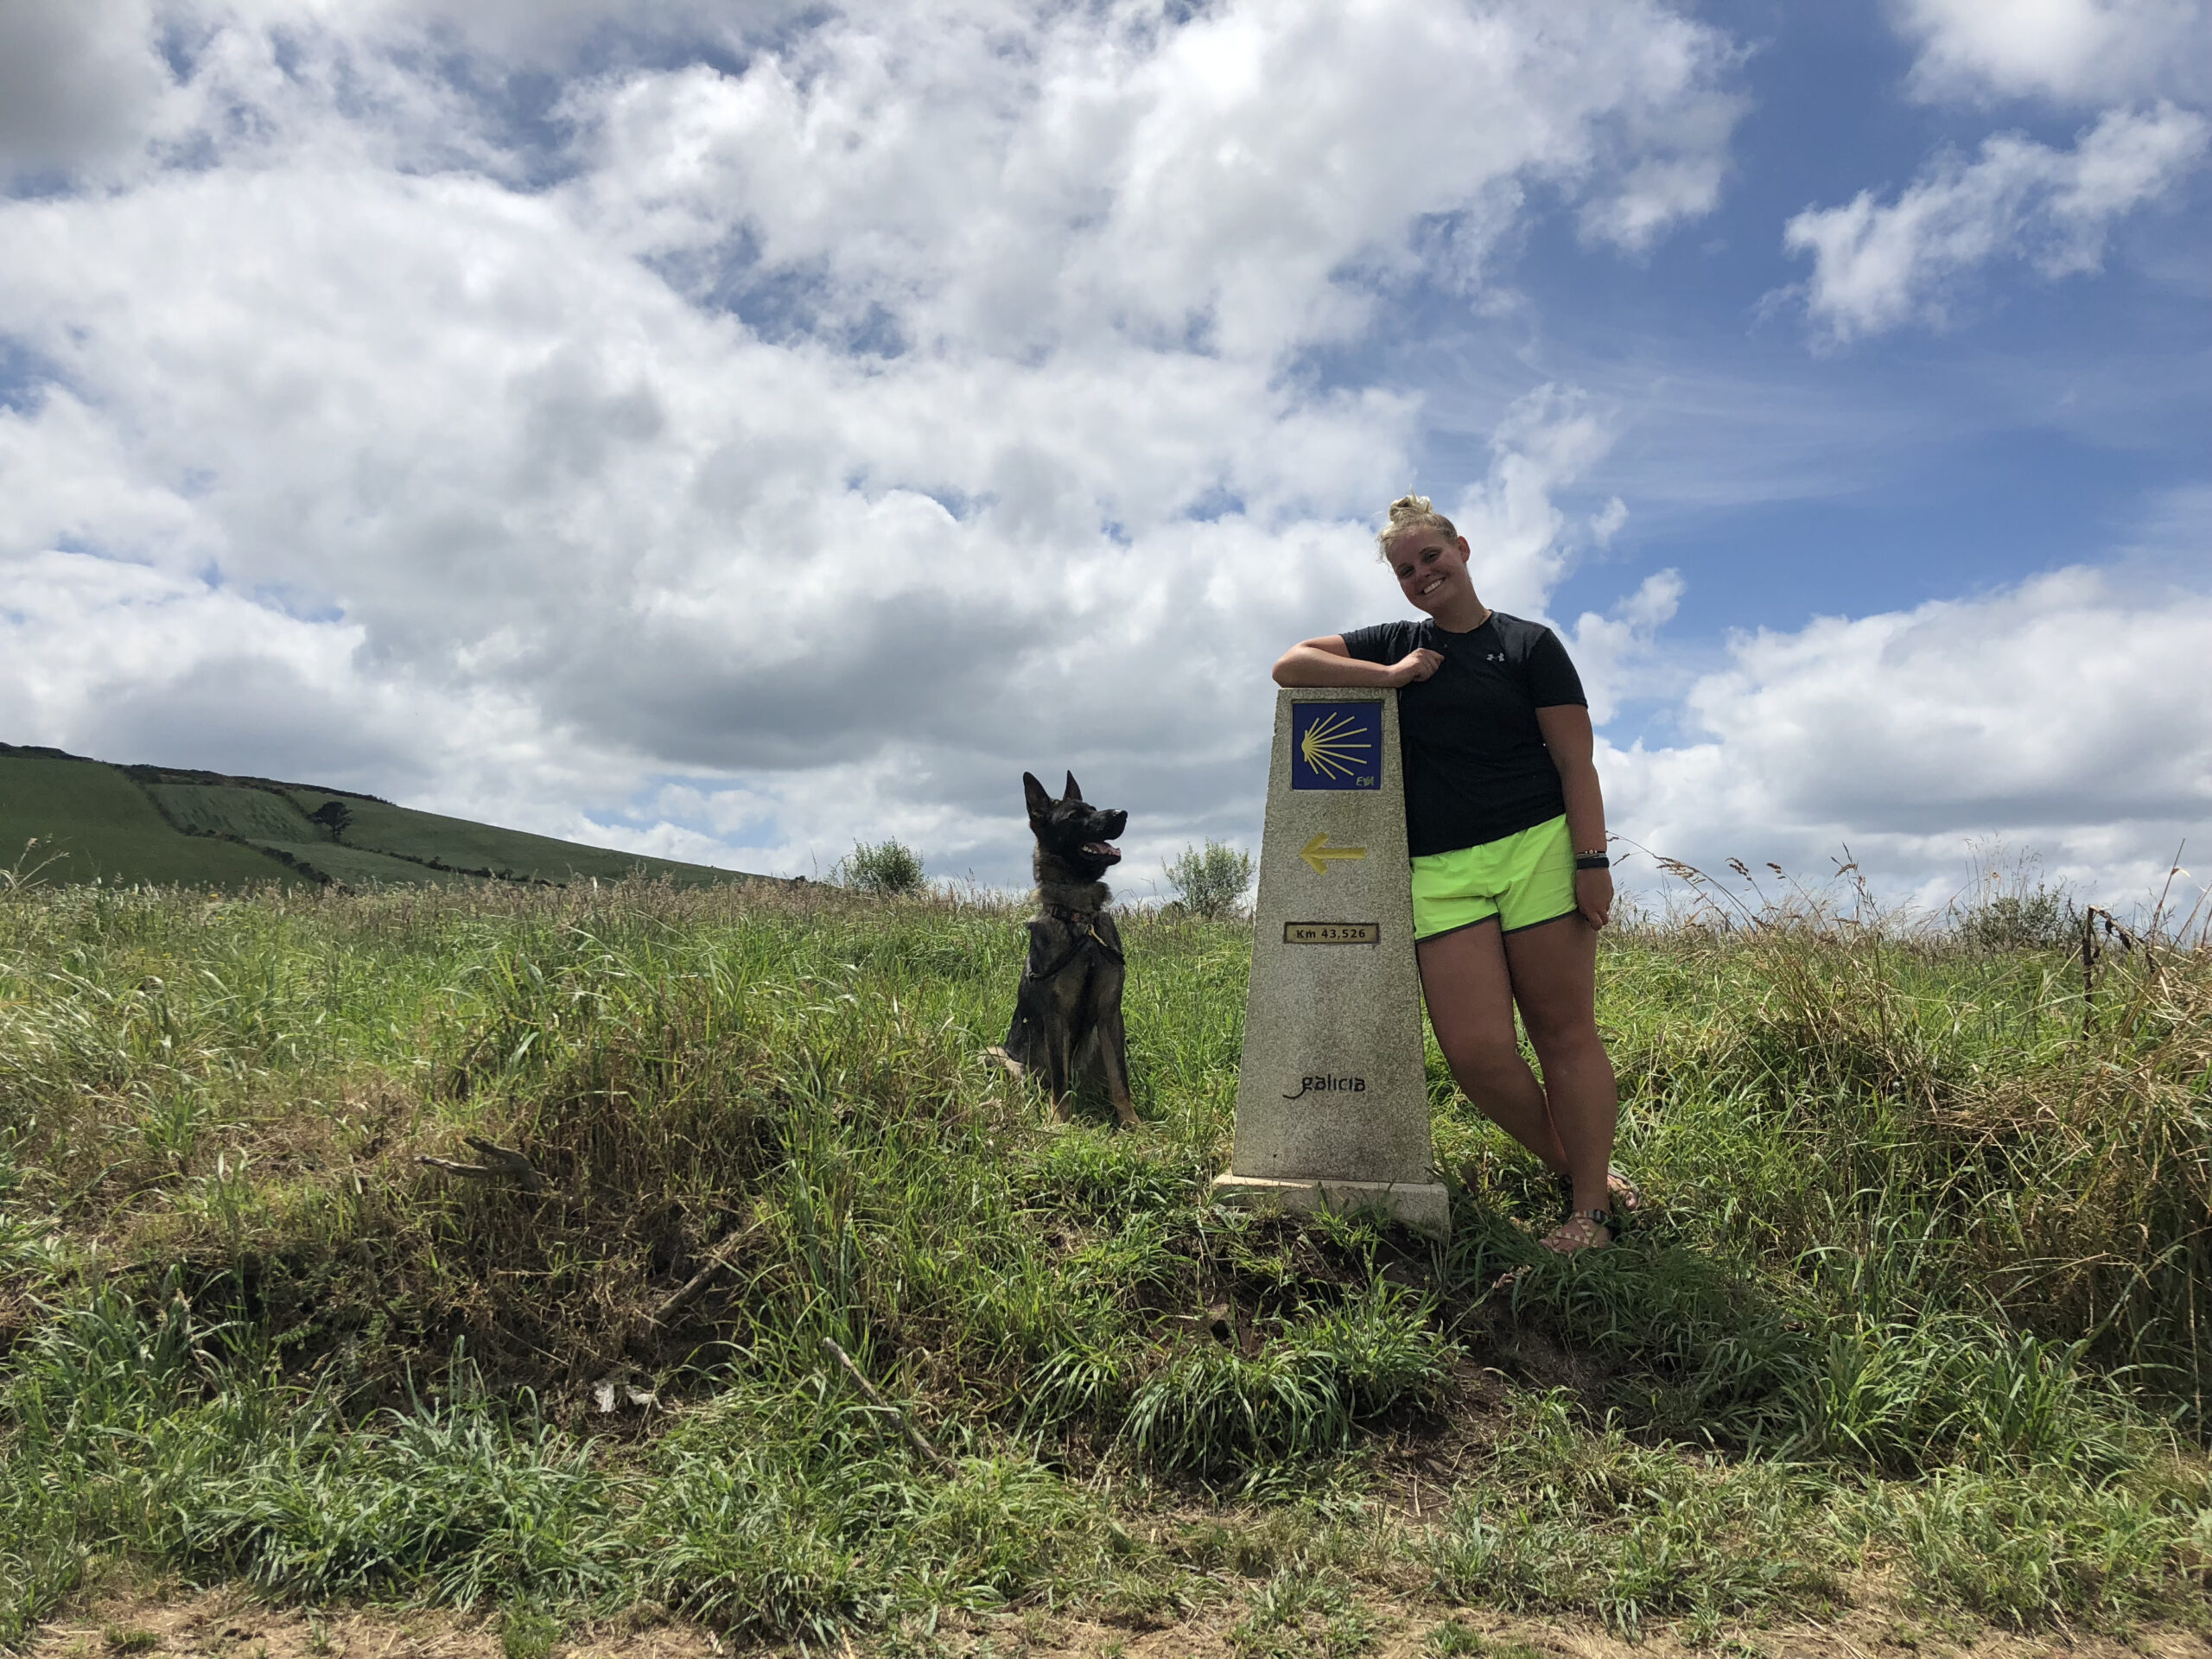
{"type": "Point", "coordinates": [133, 664]}
{"type": "Point", "coordinates": [1616, 653]}
{"type": "Point", "coordinates": [2073, 51]}
{"type": "Point", "coordinates": [2065, 713]}
{"type": "Point", "coordinates": [1878, 265]}
{"type": "Point", "coordinates": [973, 172]}
{"type": "Point", "coordinates": [789, 434]}
{"type": "Point", "coordinates": [1549, 438]}
{"type": "Point", "coordinates": [80, 85]}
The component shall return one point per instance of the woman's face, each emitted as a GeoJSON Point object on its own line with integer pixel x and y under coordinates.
{"type": "Point", "coordinates": [1431, 568]}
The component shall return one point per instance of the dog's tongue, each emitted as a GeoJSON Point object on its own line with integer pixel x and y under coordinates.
{"type": "Point", "coordinates": [1104, 849]}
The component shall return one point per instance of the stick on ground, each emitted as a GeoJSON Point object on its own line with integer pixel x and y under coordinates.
{"type": "Point", "coordinates": [501, 1161]}
{"type": "Point", "coordinates": [915, 1438]}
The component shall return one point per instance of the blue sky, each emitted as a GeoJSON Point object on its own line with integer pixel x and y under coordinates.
{"type": "Point", "coordinates": [734, 431]}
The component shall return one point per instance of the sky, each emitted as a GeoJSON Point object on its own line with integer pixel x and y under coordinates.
{"type": "Point", "coordinates": [731, 431]}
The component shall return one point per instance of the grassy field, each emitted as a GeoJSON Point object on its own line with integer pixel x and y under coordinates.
{"type": "Point", "coordinates": [251, 815]}
{"type": "Point", "coordinates": [79, 821]}
{"type": "Point", "coordinates": [459, 844]}
{"type": "Point", "coordinates": [1912, 1336]}
{"type": "Point", "coordinates": [66, 819]}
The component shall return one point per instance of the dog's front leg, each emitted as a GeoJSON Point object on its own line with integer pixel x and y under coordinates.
{"type": "Point", "coordinates": [1059, 1067]}
{"type": "Point", "coordinates": [1114, 1059]}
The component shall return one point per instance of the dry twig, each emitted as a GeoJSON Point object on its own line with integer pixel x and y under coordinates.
{"type": "Point", "coordinates": [915, 1438]}
{"type": "Point", "coordinates": [500, 1161]}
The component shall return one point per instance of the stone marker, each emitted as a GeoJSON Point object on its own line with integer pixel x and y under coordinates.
{"type": "Point", "coordinates": [1332, 1101]}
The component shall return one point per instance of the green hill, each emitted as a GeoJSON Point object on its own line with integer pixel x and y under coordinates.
{"type": "Point", "coordinates": [69, 819]}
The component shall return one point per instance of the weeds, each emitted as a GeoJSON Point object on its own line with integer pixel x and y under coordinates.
{"type": "Point", "coordinates": [1212, 1409]}
{"type": "Point", "coordinates": [1919, 1298]}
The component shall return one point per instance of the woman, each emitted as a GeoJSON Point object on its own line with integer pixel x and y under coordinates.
{"type": "Point", "coordinates": [1507, 832]}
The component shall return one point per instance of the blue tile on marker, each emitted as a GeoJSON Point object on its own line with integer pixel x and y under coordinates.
{"type": "Point", "coordinates": [1336, 745]}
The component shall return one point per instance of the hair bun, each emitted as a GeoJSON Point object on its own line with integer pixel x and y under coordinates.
{"type": "Point", "coordinates": [1411, 512]}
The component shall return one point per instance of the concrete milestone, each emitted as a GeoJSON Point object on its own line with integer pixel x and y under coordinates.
{"type": "Point", "coordinates": [1332, 1102]}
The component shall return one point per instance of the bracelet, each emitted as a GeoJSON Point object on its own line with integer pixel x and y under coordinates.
{"type": "Point", "coordinates": [1592, 862]}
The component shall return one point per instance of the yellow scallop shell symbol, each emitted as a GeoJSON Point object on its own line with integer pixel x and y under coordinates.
{"type": "Point", "coordinates": [1333, 745]}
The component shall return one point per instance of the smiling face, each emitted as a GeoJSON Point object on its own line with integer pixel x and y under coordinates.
{"type": "Point", "coordinates": [1432, 570]}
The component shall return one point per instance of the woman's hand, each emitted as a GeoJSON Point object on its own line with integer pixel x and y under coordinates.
{"type": "Point", "coordinates": [1414, 665]}
{"type": "Point", "coordinates": [1594, 896]}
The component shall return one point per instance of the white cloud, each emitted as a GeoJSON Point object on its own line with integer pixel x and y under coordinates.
{"type": "Point", "coordinates": [134, 665]}
{"type": "Point", "coordinates": [1876, 266]}
{"type": "Point", "coordinates": [80, 84]}
{"type": "Point", "coordinates": [2073, 51]}
{"type": "Point", "coordinates": [2065, 713]}
{"type": "Point", "coordinates": [811, 446]}
{"type": "Point", "coordinates": [1037, 182]}
{"type": "Point", "coordinates": [1549, 438]}
{"type": "Point", "coordinates": [1615, 653]}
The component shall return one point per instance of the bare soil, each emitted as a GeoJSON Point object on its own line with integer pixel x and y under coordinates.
{"type": "Point", "coordinates": [175, 1623]}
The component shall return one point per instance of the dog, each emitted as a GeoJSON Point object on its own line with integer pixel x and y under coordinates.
{"type": "Point", "coordinates": [1067, 1025]}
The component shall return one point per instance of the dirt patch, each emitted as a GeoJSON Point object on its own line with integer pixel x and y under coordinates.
{"type": "Point", "coordinates": [1412, 1633]}
{"type": "Point", "coordinates": [232, 1623]}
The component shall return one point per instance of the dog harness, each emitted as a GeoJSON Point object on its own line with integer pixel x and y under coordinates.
{"type": "Point", "coordinates": [1085, 923]}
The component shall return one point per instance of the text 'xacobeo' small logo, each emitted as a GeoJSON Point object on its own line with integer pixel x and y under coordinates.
{"type": "Point", "coordinates": [1328, 1086]}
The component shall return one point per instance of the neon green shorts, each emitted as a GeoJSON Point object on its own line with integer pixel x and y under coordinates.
{"type": "Point", "coordinates": [1523, 880]}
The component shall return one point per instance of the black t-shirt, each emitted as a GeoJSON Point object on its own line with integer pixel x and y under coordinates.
{"type": "Point", "coordinates": [1475, 761]}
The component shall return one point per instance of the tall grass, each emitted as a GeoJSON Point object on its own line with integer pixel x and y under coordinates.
{"type": "Point", "coordinates": [1917, 1305]}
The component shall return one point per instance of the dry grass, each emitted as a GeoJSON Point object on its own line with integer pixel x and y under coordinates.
{"type": "Point", "coordinates": [1909, 1332]}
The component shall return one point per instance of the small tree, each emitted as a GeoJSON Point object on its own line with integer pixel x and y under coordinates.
{"type": "Point", "coordinates": [1209, 883]}
{"type": "Point", "coordinates": [886, 870]}
{"type": "Point", "coordinates": [2021, 921]}
{"type": "Point", "coordinates": [2011, 907]}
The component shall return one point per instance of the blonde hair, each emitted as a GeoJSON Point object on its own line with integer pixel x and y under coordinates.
{"type": "Point", "coordinates": [1410, 513]}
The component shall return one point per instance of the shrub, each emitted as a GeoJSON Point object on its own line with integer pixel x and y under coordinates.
{"type": "Point", "coordinates": [887, 870]}
{"type": "Point", "coordinates": [2011, 907]}
{"type": "Point", "coordinates": [2020, 921]}
{"type": "Point", "coordinates": [1209, 883]}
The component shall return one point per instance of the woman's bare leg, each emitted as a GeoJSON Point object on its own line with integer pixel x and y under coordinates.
{"type": "Point", "coordinates": [1553, 970]}
{"type": "Point", "coordinates": [1469, 988]}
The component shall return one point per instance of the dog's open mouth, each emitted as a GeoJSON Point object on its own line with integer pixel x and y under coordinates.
{"type": "Point", "coordinates": [1105, 851]}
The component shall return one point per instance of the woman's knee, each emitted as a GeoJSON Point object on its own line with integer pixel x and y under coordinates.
{"type": "Point", "coordinates": [1560, 1033]}
{"type": "Point", "coordinates": [1481, 1056]}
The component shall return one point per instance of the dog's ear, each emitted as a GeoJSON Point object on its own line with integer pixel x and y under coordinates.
{"type": "Point", "coordinates": [1074, 789]}
{"type": "Point", "coordinates": [1033, 793]}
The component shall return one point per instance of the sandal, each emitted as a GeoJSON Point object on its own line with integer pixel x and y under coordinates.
{"type": "Point", "coordinates": [1595, 1221]}
{"type": "Point", "coordinates": [1590, 1223]}
{"type": "Point", "coordinates": [1625, 1194]}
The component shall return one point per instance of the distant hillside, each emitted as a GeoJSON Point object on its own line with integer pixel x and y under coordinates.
{"type": "Point", "coordinates": [91, 821]}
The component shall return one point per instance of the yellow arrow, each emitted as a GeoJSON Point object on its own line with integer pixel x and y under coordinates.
{"type": "Point", "coordinates": [1317, 849]}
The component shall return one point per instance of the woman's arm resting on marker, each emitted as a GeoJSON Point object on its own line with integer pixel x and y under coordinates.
{"type": "Point", "coordinates": [1325, 661]}
{"type": "Point", "coordinates": [1566, 732]}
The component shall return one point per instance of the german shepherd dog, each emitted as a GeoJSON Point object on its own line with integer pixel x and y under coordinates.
{"type": "Point", "coordinates": [1067, 1017]}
